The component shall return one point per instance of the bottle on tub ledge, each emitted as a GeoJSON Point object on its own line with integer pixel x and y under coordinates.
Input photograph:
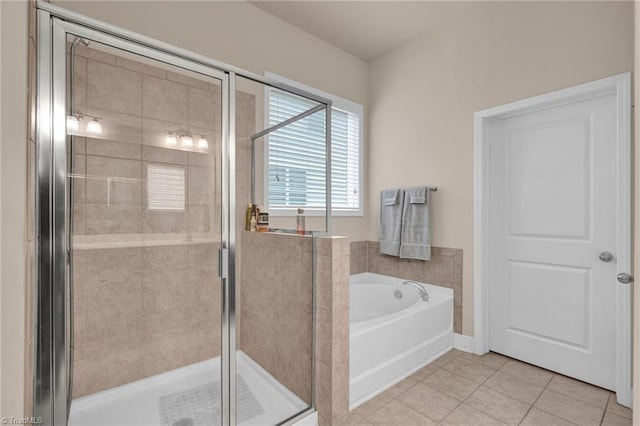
{"type": "Point", "coordinates": [254, 222]}
{"type": "Point", "coordinates": [247, 220]}
{"type": "Point", "coordinates": [300, 225]}
{"type": "Point", "coordinates": [262, 221]}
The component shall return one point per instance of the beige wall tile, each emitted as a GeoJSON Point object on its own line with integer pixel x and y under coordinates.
{"type": "Point", "coordinates": [79, 219]}
{"type": "Point", "coordinates": [203, 159]}
{"type": "Point", "coordinates": [113, 181]}
{"type": "Point", "coordinates": [141, 67]}
{"type": "Point", "coordinates": [114, 149]}
{"type": "Point", "coordinates": [78, 178]}
{"type": "Point", "coordinates": [95, 54]}
{"type": "Point", "coordinates": [189, 81]}
{"type": "Point", "coordinates": [158, 222]}
{"type": "Point", "coordinates": [113, 219]}
{"type": "Point", "coordinates": [380, 263]}
{"type": "Point", "coordinates": [117, 126]}
{"type": "Point", "coordinates": [358, 257]}
{"type": "Point", "coordinates": [200, 186]}
{"type": "Point", "coordinates": [79, 84]}
{"type": "Point", "coordinates": [113, 88]}
{"type": "Point", "coordinates": [202, 109]}
{"type": "Point", "coordinates": [163, 155]}
{"type": "Point", "coordinates": [164, 100]}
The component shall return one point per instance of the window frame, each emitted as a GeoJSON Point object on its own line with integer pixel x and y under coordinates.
{"type": "Point", "coordinates": [340, 104]}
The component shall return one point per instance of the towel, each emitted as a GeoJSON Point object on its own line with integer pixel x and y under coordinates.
{"type": "Point", "coordinates": [416, 225]}
{"type": "Point", "coordinates": [390, 221]}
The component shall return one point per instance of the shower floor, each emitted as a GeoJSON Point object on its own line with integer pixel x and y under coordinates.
{"type": "Point", "coordinates": [137, 403]}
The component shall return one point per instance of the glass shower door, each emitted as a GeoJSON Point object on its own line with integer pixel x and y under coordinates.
{"type": "Point", "coordinates": [144, 209]}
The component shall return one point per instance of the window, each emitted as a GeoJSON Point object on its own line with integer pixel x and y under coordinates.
{"type": "Point", "coordinates": [165, 186]}
{"type": "Point", "coordinates": [295, 156]}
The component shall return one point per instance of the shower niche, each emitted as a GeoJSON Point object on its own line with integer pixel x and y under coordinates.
{"type": "Point", "coordinates": [149, 305]}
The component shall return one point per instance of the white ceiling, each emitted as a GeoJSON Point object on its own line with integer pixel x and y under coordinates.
{"type": "Point", "coordinates": [366, 29]}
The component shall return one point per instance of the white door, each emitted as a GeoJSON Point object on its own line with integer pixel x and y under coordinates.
{"type": "Point", "coordinates": [553, 211]}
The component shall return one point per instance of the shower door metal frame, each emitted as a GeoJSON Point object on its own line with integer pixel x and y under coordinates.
{"type": "Point", "coordinates": [54, 23]}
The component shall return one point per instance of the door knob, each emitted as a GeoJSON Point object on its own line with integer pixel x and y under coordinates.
{"type": "Point", "coordinates": [624, 278]}
{"type": "Point", "coordinates": [605, 256]}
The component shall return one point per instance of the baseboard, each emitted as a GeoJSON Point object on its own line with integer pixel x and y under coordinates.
{"type": "Point", "coordinates": [463, 343]}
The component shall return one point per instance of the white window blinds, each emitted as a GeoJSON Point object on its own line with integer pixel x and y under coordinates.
{"type": "Point", "coordinates": [165, 187]}
{"type": "Point", "coordinates": [296, 156]}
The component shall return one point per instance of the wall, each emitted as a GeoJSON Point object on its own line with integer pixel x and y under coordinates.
{"type": "Point", "coordinates": [13, 190]}
{"type": "Point", "coordinates": [422, 98]}
{"type": "Point", "coordinates": [247, 37]}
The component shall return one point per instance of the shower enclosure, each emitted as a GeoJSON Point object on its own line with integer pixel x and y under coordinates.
{"type": "Point", "coordinates": [155, 305]}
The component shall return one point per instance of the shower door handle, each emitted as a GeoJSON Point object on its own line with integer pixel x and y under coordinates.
{"type": "Point", "coordinates": [223, 258]}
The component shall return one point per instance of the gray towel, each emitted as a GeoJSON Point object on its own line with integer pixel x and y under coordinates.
{"type": "Point", "coordinates": [390, 221]}
{"type": "Point", "coordinates": [416, 224]}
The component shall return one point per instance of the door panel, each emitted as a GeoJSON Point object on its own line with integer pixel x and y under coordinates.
{"type": "Point", "coordinates": [144, 206]}
{"type": "Point", "coordinates": [553, 210]}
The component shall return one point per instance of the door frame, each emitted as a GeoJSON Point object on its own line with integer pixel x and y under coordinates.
{"type": "Point", "coordinates": [620, 85]}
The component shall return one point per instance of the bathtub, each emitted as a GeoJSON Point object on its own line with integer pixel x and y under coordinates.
{"type": "Point", "coordinates": [391, 337]}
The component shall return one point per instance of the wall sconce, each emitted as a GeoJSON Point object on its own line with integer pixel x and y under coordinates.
{"type": "Point", "coordinates": [186, 140]}
{"type": "Point", "coordinates": [171, 139]}
{"type": "Point", "coordinates": [94, 127]}
{"type": "Point", "coordinates": [203, 143]}
{"type": "Point", "coordinates": [72, 123]}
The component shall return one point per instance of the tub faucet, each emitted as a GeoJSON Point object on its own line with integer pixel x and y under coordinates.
{"type": "Point", "coordinates": [423, 291]}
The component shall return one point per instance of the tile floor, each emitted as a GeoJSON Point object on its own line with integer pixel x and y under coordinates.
{"type": "Point", "coordinates": [464, 389]}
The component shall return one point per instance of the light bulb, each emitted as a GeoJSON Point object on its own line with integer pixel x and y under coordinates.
{"type": "Point", "coordinates": [72, 123]}
{"type": "Point", "coordinates": [170, 139]}
{"type": "Point", "coordinates": [186, 141]}
{"type": "Point", "coordinates": [203, 143]}
{"type": "Point", "coordinates": [94, 127]}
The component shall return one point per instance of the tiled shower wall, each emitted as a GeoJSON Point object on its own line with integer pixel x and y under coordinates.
{"type": "Point", "coordinates": [141, 307]}
{"type": "Point", "coordinates": [277, 320]}
{"type": "Point", "coordinates": [444, 269]}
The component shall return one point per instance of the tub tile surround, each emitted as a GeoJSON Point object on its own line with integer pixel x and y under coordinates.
{"type": "Point", "coordinates": [512, 393]}
{"type": "Point", "coordinates": [444, 269]}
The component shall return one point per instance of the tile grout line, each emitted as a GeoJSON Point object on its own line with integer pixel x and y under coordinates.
{"type": "Point", "coordinates": [474, 391]}
{"type": "Point", "coordinates": [534, 402]}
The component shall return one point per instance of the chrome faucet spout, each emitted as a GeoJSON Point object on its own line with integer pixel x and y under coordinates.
{"type": "Point", "coordinates": [423, 291]}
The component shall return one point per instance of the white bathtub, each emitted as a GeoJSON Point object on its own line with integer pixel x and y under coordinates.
{"type": "Point", "coordinates": [390, 338]}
